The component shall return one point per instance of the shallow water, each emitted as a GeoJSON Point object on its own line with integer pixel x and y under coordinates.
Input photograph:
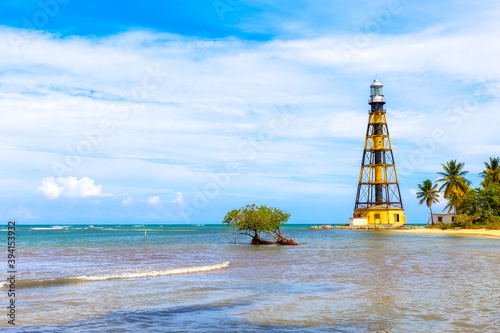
{"type": "Point", "coordinates": [113, 278]}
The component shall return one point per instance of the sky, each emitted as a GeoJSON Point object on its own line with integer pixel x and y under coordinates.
{"type": "Point", "coordinates": [177, 112]}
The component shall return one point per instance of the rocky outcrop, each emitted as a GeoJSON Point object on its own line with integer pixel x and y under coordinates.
{"type": "Point", "coordinates": [325, 226]}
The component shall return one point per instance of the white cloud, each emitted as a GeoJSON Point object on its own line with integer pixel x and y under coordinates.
{"type": "Point", "coordinates": [217, 94]}
{"type": "Point", "coordinates": [50, 188]}
{"type": "Point", "coordinates": [179, 200]}
{"type": "Point", "coordinates": [70, 187]}
{"type": "Point", "coordinates": [154, 200]}
{"type": "Point", "coordinates": [127, 201]}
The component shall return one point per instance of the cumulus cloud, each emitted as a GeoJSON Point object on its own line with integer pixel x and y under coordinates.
{"type": "Point", "coordinates": [179, 200]}
{"type": "Point", "coordinates": [127, 201]}
{"type": "Point", "coordinates": [154, 200]}
{"type": "Point", "coordinates": [70, 187]}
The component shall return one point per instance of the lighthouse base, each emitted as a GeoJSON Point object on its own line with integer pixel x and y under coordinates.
{"type": "Point", "coordinates": [379, 214]}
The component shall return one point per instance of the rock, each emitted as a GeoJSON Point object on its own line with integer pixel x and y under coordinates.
{"type": "Point", "coordinates": [325, 226]}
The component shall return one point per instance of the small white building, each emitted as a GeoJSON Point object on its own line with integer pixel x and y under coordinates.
{"type": "Point", "coordinates": [354, 221]}
{"type": "Point", "coordinates": [443, 218]}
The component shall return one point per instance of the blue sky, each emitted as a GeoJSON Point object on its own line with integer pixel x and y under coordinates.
{"type": "Point", "coordinates": [176, 112]}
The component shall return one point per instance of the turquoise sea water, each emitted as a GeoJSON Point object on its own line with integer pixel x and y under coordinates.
{"type": "Point", "coordinates": [189, 278]}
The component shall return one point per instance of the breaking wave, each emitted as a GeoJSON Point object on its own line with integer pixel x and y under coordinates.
{"type": "Point", "coordinates": [131, 275]}
{"type": "Point", "coordinates": [55, 227]}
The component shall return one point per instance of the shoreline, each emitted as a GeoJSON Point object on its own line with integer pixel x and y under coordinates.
{"type": "Point", "coordinates": [418, 229]}
{"type": "Point", "coordinates": [461, 232]}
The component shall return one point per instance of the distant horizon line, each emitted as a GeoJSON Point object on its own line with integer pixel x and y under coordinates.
{"type": "Point", "coordinates": [170, 224]}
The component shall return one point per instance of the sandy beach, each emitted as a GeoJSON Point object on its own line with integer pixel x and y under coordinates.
{"type": "Point", "coordinates": [461, 232]}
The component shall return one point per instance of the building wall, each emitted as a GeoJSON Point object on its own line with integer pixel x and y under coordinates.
{"type": "Point", "coordinates": [446, 218]}
{"type": "Point", "coordinates": [353, 221]}
{"type": "Point", "coordinates": [381, 216]}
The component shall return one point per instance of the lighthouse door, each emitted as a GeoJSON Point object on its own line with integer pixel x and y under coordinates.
{"type": "Point", "coordinates": [377, 218]}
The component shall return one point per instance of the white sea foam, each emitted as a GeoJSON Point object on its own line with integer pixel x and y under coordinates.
{"type": "Point", "coordinates": [132, 275]}
{"type": "Point", "coordinates": [154, 273]}
{"type": "Point", "coordinates": [55, 227]}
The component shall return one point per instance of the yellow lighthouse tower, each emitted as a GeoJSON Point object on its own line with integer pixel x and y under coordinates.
{"type": "Point", "coordinates": [378, 199]}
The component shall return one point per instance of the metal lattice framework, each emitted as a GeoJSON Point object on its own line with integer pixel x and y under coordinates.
{"type": "Point", "coordinates": [378, 180]}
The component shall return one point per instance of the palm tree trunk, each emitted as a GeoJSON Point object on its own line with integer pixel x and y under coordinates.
{"type": "Point", "coordinates": [432, 219]}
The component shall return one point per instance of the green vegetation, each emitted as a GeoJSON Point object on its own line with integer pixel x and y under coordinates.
{"type": "Point", "coordinates": [492, 171]}
{"type": "Point", "coordinates": [253, 221]}
{"type": "Point", "coordinates": [480, 207]}
{"type": "Point", "coordinates": [428, 194]}
{"type": "Point", "coordinates": [473, 207]}
{"type": "Point", "coordinates": [454, 183]}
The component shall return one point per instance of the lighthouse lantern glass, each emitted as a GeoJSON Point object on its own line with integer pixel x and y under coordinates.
{"type": "Point", "coordinates": [377, 90]}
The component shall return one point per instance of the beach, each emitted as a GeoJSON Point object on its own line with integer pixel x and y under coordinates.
{"type": "Point", "coordinates": [453, 232]}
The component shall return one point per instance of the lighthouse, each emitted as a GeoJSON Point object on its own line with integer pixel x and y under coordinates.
{"type": "Point", "coordinates": [378, 198]}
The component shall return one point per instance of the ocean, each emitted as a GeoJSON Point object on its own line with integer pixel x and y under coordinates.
{"type": "Point", "coordinates": [200, 278]}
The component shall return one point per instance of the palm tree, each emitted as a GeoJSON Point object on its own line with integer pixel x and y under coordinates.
{"type": "Point", "coordinates": [492, 170]}
{"type": "Point", "coordinates": [454, 183]}
{"type": "Point", "coordinates": [429, 194]}
{"type": "Point", "coordinates": [453, 201]}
